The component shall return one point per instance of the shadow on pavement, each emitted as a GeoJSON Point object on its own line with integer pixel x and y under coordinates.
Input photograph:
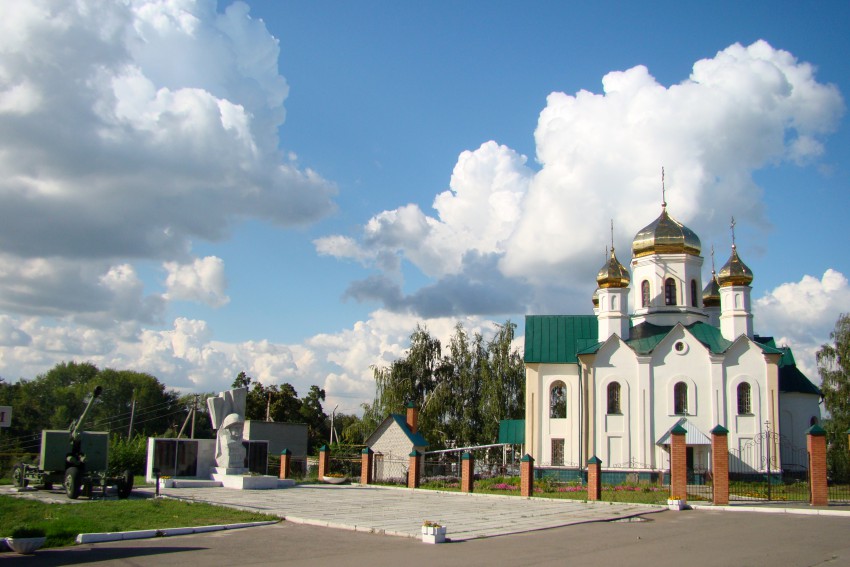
{"type": "Point", "coordinates": [76, 555]}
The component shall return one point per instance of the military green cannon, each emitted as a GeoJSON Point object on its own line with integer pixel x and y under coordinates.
{"type": "Point", "coordinates": [76, 459]}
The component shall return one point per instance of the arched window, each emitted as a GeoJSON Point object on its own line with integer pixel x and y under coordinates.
{"type": "Point", "coordinates": [680, 398]}
{"type": "Point", "coordinates": [644, 293]}
{"type": "Point", "coordinates": [558, 400]}
{"type": "Point", "coordinates": [693, 293]}
{"type": "Point", "coordinates": [813, 420]}
{"type": "Point", "coordinates": [670, 292]}
{"type": "Point", "coordinates": [614, 397]}
{"type": "Point", "coordinates": [744, 399]}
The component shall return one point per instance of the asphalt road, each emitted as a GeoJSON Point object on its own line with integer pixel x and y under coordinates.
{"type": "Point", "coordinates": [693, 538]}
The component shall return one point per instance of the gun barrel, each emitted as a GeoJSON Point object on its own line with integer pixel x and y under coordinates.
{"type": "Point", "coordinates": [77, 425]}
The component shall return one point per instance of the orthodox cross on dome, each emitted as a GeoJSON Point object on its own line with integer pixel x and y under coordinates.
{"type": "Point", "coordinates": [712, 259]}
{"type": "Point", "coordinates": [663, 190]}
{"type": "Point", "coordinates": [612, 235]}
{"type": "Point", "coordinates": [732, 227]}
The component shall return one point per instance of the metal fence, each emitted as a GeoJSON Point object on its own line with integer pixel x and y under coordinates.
{"type": "Point", "coordinates": [755, 472]}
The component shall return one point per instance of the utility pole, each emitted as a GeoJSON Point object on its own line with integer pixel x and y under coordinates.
{"type": "Point", "coordinates": [132, 415]}
{"type": "Point", "coordinates": [269, 407]}
{"type": "Point", "coordinates": [194, 409]}
{"type": "Point", "coordinates": [333, 414]}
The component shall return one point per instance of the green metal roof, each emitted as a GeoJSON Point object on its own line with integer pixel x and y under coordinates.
{"type": "Point", "coordinates": [557, 338]}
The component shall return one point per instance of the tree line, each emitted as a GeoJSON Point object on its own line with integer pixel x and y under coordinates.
{"type": "Point", "coordinates": [55, 399]}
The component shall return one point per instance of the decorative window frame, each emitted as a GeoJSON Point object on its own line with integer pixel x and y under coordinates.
{"type": "Point", "coordinates": [671, 396]}
{"type": "Point", "coordinates": [602, 397]}
{"type": "Point", "coordinates": [755, 397]}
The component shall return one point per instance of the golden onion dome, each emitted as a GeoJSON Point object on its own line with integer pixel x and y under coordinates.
{"type": "Point", "coordinates": [711, 293]}
{"type": "Point", "coordinates": [595, 298]}
{"type": "Point", "coordinates": [665, 235]}
{"type": "Point", "coordinates": [613, 274]}
{"type": "Point", "coordinates": [734, 272]}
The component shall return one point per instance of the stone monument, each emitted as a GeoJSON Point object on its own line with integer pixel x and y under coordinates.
{"type": "Point", "coordinates": [227, 413]}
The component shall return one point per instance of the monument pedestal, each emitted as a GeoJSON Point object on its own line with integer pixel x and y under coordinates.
{"type": "Point", "coordinates": [243, 481]}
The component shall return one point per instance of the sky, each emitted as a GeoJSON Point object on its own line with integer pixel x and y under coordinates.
{"type": "Point", "coordinates": [194, 188]}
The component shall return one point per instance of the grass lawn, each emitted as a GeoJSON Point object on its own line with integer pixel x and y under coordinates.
{"type": "Point", "coordinates": [63, 522]}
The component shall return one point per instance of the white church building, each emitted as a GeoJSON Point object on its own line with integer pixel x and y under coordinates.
{"type": "Point", "coordinates": [663, 350]}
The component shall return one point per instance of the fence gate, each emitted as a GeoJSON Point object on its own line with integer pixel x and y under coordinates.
{"type": "Point", "coordinates": [768, 467]}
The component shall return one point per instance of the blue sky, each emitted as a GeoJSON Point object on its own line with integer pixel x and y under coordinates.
{"type": "Point", "coordinates": [288, 188]}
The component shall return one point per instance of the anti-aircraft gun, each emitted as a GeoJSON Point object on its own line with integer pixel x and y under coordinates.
{"type": "Point", "coordinates": [75, 458]}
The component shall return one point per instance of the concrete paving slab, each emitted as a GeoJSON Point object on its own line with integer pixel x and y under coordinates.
{"type": "Point", "coordinates": [401, 511]}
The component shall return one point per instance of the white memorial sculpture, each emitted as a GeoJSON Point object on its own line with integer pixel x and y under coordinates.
{"type": "Point", "coordinates": [227, 413]}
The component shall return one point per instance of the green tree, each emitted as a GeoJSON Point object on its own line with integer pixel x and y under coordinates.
{"type": "Point", "coordinates": [833, 362]}
{"type": "Point", "coordinates": [463, 395]}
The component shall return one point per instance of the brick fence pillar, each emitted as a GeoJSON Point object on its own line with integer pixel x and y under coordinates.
{"type": "Point", "coordinates": [720, 465]}
{"type": "Point", "coordinates": [526, 471]}
{"type": "Point", "coordinates": [324, 461]}
{"type": "Point", "coordinates": [467, 468]}
{"type": "Point", "coordinates": [367, 457]}
{"type": "Point", "coordinates": [678, 464]}
{"type": "Point", "coordinates": [594, 478]}
{"type": "Point", "coordinates": [285, 462]}
{"type": "Point", "coordinates": [816, 445]}
{"type": "Point", "coordinates": [414, 470]}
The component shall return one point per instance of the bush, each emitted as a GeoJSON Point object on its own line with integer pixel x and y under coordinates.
{"type": "Point", "coordinates": [25, 530]}
{"type": "Point", "coordinates": [127, 454]}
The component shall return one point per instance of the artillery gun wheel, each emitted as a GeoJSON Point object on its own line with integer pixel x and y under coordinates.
{"type": "Point", "coordinates": [19, 477]}
{"type": "Point", "coordinates": [125, 484]}
{"type": "Point", "coordinates": [72, 483]}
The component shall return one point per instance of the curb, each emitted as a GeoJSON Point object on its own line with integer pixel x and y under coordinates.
{"type": "Point", "coordinates": [165, 532]}
{"type": "Point", "coordinates": [771, 510]}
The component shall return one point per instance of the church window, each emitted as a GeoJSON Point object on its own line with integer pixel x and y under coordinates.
{"type": "Point", "coordinates": [558, 400]}
{"type": "Point", "coordinates": [693, 293]}
{"type": "Point", "coordinates": [557, 452]}
{"type": "Point", "coordinates": [614, 397]}
{"type": "Point", "coordinates": [670, 292]}
{"type": "Point", "coordinates": [644, 293]}
{"type": "Point", "coordinates": [680, 398]}
{"type": "Point", "coordinates": [744, 399]}
{"type": "Point", "coordinates": [813, 421]}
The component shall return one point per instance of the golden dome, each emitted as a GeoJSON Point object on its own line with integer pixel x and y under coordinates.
{"type": "Point", "coordinates": [665, 235]}
{"type": "Point", "coordinates": [734, 272]}
{"type": "Point", "coordinates": [711, 293]}
{"type": "Point", "coordinates": [613, 274]}
{"type": "Point", "coordinates": [595, 298]}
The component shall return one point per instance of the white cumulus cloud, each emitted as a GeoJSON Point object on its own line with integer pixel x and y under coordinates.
{"type": "Point", "coordinates": [128, 130]}
{"type": "Point", "coordinates": [599, 157]}
{"type": "Point", "coordinates": [203, 281]}
{"type": "Point", "coordinates": [804, 313]}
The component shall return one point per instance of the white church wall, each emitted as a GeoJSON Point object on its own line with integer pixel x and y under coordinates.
{"type": "Point", "coordinates": [551, 428]}
{"type": "Point", "coordinates": [617, 434]}
{"type": "Point", "coordinates": [797, 412]}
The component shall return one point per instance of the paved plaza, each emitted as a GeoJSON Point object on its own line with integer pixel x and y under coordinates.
{"type": "Point", "coordinates": [401, 511]}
